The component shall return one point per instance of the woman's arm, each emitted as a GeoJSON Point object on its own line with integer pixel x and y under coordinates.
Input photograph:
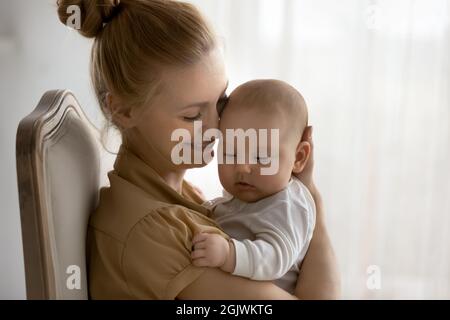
{"type": "Point", "coordinates": [215, 284]}
{"type": "Point", "coordinates": [319, 277]}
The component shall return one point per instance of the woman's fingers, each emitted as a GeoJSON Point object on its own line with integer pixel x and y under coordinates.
{"type": "Point", "coordinates": [307, 136]}
{"type": "Point", "coordinates": [309, 139]}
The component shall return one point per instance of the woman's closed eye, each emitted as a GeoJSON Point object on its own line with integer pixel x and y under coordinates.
{"type": "Point", "coordinates": [195, 118]}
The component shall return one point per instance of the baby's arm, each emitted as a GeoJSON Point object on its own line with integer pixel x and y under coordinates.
{"type": "Point", "coordinates": [280, 235]}
{"type": "Point", "coordinates": [213, 250]}
{"type": "Point", "coordinates": [268, 257]}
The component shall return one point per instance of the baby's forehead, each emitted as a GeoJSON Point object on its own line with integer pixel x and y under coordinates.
{"type": "Point", "coordinates": [269, 96]}
{"type": "Point", "coordinates": [273, 100]}
{"type": "Point", "coordinates": [263, 126]}
{"type": "Point", "coordinates": [251, 112]}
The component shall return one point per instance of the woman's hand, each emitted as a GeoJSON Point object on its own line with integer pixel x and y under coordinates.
{"type": "Point", "coordinates": [319, 276]}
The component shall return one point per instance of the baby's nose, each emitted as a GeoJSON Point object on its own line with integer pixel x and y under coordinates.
{"type": "Point", "coordinates": [244, 168]}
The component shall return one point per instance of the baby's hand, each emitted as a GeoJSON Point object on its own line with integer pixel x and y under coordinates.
{"type": "Point", "coordinates": [212, 250]}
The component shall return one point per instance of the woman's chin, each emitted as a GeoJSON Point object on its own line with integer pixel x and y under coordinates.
{"type": "Point", "coordinates": [198, 166]}
{"type": "Point", "coordinates": [207, 158]}
{"type": "Point", "coordinates": [194, 165]}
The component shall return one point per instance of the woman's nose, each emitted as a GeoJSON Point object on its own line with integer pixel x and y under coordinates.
{"type": "Point", "coordinates": [211, 121]}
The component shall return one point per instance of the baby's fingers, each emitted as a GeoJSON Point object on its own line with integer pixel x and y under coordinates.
{"type": "Point", "coordinates": [196, 254]}
{"type": "Point", "coordinates": [201, 262]}
{"type": "Point", "coordinates": [199, 245]}
{"type": "Point", "coordinates": [199, 237]}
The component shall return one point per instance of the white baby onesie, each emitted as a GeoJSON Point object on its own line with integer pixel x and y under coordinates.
{"type": "Point", "coordinates": [271, 236]}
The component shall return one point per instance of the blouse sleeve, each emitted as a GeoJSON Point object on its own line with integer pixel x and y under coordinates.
{"type": "Point", "coordinates": [157, 257]}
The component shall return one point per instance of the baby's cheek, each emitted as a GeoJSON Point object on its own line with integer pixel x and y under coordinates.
{"type": "Point", "coordinates": [225, 175]}
{"type": "Point", "coordinates": [272, 184]}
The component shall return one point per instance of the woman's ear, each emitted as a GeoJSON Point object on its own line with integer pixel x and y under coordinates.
{"type": "Point", "coordinates": [301, 156]}
{"type": "Point", "coordinates": [120, 114]}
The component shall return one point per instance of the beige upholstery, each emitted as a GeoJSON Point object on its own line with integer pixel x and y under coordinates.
{"type": "Point", "coordinates": [59, 168]}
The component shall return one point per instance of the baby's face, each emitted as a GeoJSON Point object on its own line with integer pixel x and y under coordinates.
{"type": "Point", "coordinates": [245, 181]}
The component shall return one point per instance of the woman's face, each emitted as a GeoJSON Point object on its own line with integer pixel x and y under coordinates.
{"type": "Point", "coordinates": [188, 94]}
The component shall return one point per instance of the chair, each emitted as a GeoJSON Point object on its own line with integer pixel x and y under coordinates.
{"type": "Point", "coordinates": [58, 169]}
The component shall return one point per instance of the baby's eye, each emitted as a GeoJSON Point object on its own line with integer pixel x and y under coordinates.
{"type": "Point", "coordinates": [228, 155]}
{"type": "Point", "coordinates": [263, 160]}
{"type": "Point", "coordinates": [229, 158]}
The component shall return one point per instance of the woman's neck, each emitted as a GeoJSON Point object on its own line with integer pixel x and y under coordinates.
{"type": "Point", "coordinates": [172, 176]}
{"type": "Point", "coordinates": [173, 179]}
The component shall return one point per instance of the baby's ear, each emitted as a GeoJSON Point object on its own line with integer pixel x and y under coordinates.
{"type": "Point", "coordinates": [301, 156]}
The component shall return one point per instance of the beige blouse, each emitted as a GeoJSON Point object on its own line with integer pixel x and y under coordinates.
{"type": "Point", "coordinates": [139, 237]}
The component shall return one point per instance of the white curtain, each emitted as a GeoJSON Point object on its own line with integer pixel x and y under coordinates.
{"type": "Point", "coordinates": [376, 77]}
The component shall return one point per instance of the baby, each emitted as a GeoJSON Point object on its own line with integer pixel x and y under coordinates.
{"type": "Point", "coordinates": [270, 218]}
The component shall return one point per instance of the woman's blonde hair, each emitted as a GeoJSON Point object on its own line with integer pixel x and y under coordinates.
{"type": "Point", "coordinates": [134, 40]}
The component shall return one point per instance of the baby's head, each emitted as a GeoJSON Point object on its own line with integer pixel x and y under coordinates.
{"type": "Point", "coordinates": [264, 104]}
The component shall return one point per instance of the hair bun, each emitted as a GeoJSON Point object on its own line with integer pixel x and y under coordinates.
{"type": "Point", "coordinates": [93, 14]}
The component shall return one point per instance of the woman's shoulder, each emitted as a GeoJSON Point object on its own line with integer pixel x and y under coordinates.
{"type": "Point", "coordinates": [158, 249]}
{"type": "Point", "coordinates": [173, 224]}
{"type": "Point", "coordinates": [121, 209]}
{"type": "Point", "coordinates": [118, 215]}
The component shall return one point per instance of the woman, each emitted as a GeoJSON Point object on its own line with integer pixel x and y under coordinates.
{"type": "Point", "coordinates": [156, 67]}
